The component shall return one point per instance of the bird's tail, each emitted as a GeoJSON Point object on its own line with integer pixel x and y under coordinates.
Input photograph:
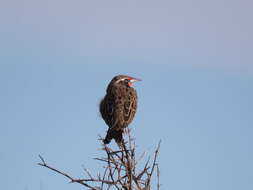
{"type": "Point", "coordinates": [114, 134]}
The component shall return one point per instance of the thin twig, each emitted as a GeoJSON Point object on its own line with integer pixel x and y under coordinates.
{"type": "Point", "coordinates": [72, 180]}
{"type": "Point", "coordinates": [158, 177]}
{"type": "Point", "coordinates": [102, 184]}
{"type": "Point", "coordinates": [154, 163]}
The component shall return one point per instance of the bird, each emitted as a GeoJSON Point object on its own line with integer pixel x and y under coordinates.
{"type": "Point", "coordinates": [118, 107]}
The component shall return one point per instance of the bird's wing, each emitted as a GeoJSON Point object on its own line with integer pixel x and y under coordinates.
{"type": "Point", "coordinates": [125, 107]}
{"type": "Point", "coordinates": [107, 110]}
{"type": "Point", "coordinates": [130, 106]}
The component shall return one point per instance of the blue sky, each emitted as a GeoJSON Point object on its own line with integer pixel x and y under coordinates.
{"type": "Point", "coordinates": [195, 59]}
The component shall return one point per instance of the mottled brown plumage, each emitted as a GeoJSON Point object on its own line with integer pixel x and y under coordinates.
{"type": "Point", "coordinates": [118, 107]}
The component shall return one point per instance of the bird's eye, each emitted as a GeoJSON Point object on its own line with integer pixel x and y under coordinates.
{"type": "Point", "coordinates": [127, 81]}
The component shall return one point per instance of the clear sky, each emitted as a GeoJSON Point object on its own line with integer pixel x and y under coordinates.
{"type": "Point", "coordinates": [196, 61]}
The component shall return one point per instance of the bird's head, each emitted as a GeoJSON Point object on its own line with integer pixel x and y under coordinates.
{"type": "Point", "coordinates": [124, 80]}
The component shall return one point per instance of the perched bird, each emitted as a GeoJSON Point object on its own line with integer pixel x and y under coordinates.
{"type": "Point", "coordinates": [118, 107]}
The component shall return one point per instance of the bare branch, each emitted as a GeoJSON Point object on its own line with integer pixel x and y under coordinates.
{"type": "Point", "coordinates": [120, 168]}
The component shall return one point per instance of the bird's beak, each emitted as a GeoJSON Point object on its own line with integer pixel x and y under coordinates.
{"type": "Point", "coordinates": [134, 80]}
